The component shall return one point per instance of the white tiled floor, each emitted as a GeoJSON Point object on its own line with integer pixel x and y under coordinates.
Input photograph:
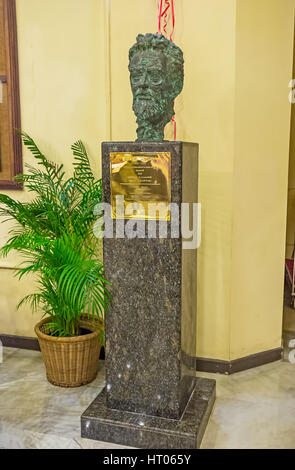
{"type": "Point", "coordinates": [253, 409]}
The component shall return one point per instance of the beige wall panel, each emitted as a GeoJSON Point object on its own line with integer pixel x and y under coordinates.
{"type": "Point", "coordinates": [234, 104]}
{"type": "Point", "coordinates": [63, 90]}
{"type": "Point", "coordinates": [262, 129]}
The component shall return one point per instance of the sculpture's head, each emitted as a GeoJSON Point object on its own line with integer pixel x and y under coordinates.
{"type": "Point", "coordinates": [156, 76]}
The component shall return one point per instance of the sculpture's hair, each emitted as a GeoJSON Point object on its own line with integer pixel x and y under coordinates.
{"type": "Point", "coordinates": [173, 53]}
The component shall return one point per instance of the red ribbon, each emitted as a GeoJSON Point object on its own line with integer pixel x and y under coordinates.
{"type": "Point", "coordinates": [174, 126]}
{"type": "Point", "coordinates": [169, 4]}
{"type": "Point", "coordinates": [163, 14]}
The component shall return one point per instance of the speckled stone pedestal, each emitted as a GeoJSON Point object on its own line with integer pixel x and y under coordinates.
{"type": "Point", "coordinates": [151, 432]}
{"type": "Point", "coordinates": [152, 398]}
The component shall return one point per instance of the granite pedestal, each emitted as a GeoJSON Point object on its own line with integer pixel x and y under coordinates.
{"type": "Point", "coordinates": [152, 398]}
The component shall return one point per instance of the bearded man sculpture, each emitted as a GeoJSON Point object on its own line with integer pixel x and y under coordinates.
{"type": "Point", "coordinates": [156, 77]}
{"type": "Point", "coordinates": [152, 267]}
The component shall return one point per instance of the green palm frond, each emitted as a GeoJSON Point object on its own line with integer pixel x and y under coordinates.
{"type": "Point", "coordinates": [31, 145]}
{"type": "Point", "coordinates": [81, 164]}
{"type": "Point", "coordinates": [33, 299]}
{"type": "Point", "coordinates": [54, 234]}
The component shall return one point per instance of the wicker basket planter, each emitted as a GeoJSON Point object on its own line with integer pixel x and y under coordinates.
{"type": "Point", "coordinates": [70, 361]}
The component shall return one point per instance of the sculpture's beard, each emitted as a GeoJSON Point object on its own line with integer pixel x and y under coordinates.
{"type": "Point", "coordinates": [151, 108]}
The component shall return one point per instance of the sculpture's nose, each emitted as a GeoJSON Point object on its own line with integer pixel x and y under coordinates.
{"type": "Point", "coordinates": [144, 79]}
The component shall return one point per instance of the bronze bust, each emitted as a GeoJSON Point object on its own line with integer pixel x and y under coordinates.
{"type": "Point", "coordinates": [156, 77]}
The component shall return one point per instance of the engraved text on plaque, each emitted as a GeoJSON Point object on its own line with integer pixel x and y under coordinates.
{"type": "Point", "coordinates": [144, 179]}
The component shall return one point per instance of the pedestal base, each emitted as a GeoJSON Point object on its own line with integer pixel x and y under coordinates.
{"type": "Point", "coordinates": [144, 431]}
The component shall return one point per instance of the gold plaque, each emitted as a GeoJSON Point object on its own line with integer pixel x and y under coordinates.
{"type": "Point", "coordinates": [144, 179]}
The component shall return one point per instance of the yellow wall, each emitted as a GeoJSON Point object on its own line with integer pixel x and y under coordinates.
{"type": "Point", "coordinates": [264, 56]}
{"type": "Point", "coordinates": [290, 236]}
{"type": "Point", "coordinates": [238, 62]}
{"type": "Point", "coordinates": [205, 114]}
{"type": "Point", "coordinates": [63, 64]}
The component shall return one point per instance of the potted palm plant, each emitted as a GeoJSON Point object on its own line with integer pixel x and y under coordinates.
{"type": "Point", "coordinates": [54, 234]}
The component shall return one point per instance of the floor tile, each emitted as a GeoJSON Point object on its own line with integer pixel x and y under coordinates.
{"type": "Point", "coordinates": [236, 424]}
{"type": "Point", "coordinates": [253, 409]}
{"type": "Point", "coordinates": [266, 384]}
